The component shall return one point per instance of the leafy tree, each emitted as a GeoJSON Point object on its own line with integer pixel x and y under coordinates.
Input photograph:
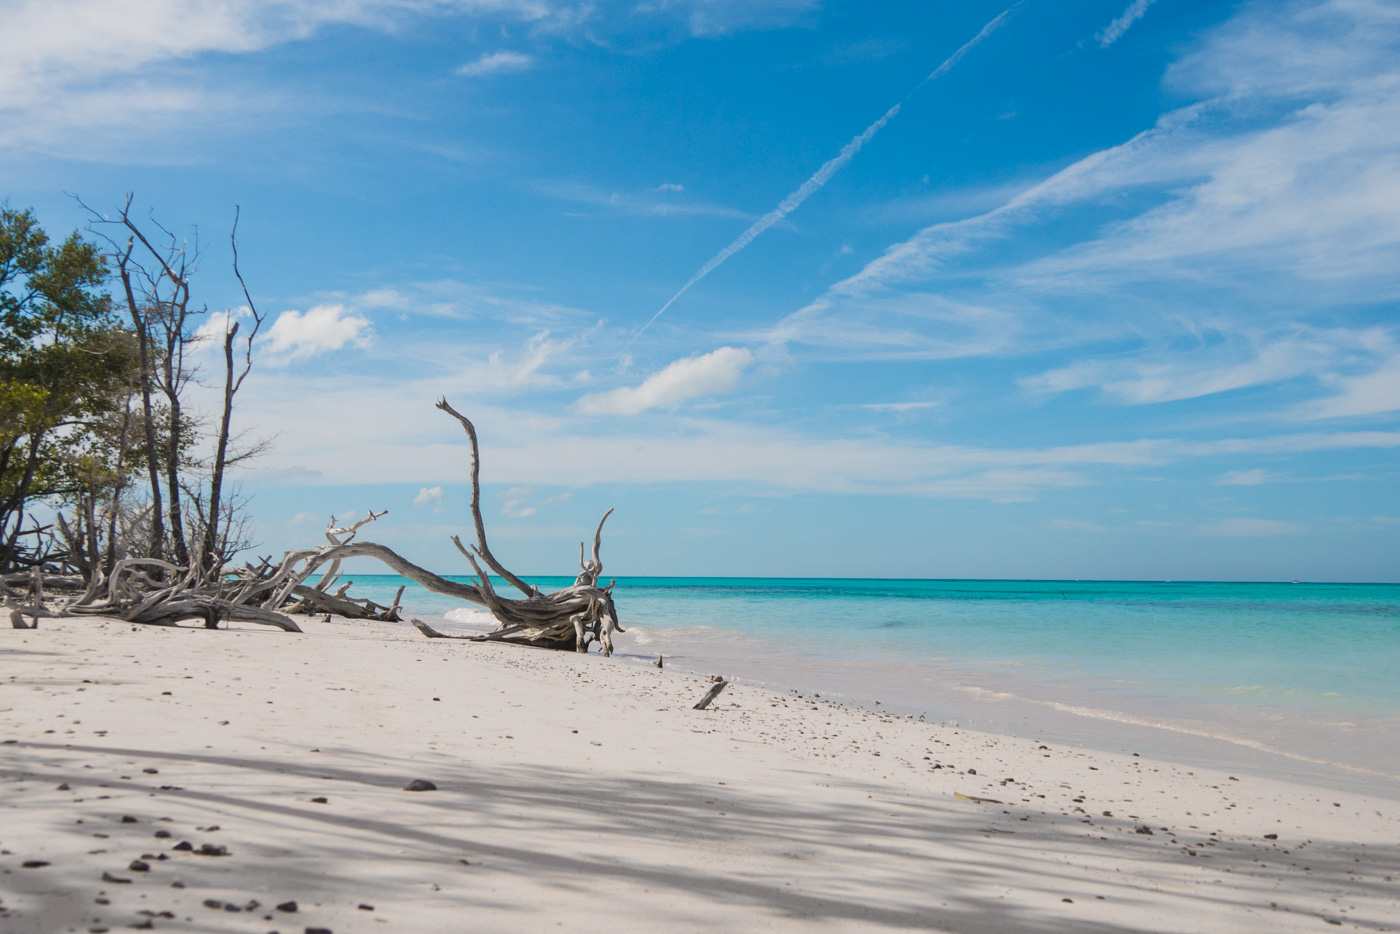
{"type": "Point", "coordinates": [65, 364]}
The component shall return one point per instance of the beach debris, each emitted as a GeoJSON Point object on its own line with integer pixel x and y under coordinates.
{"type": "Point", "coordinates": [139, 866]}
{"type": "Point", "coordinates": [288, 907]}
{"type": "Point", "coordinates": [364, 907]}
{"type": "Point", "coordinates": [660, 662]}
{"type": "Point", "coordinates": [183, 845]}
{"type": "Point", "coordinates": [108, 877]}
{"type": "Point", "coordinates": [1143, 829]}
{"type": "Point", "coordinates": [211, 849]}
{"type": "Point", "coordinates": [711, 694]}
{"type": "Point", "coordinates": [320, 801]}
{"type": "Point", "coordinates": [34, 864]}
{"type": "Point", "coordinates": [975, 799]}
{"type": "Point", "coordinates": [420, 784]}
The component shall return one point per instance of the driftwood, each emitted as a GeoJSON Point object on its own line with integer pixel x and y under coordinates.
{"type": "Point", "coordinates": [157, 592]}
{"type": "Point", "coordinates": [572, 618]}
{"type": "Point", "coordinates": [710, 695]}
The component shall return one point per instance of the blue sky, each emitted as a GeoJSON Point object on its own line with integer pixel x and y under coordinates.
{"type": "Point", "coordinates": [1113, 296]}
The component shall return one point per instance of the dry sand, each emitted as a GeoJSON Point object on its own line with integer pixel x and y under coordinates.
{"type": "Point", "coordinates": [580, 793]}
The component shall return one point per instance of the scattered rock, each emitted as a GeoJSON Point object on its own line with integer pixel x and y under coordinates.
{"type": "Point", "coordinates": [318, 931]}
{"type": "Point", "coordinates": [151, 771]}
{"type": "Point", "coordinates": [320, 801]}
{"type": "Point", "coordinates": [64, 787]}
{"type": "Point", "coordinates": [1067, 901]}
{"type": "Point", "coordinates": [34, 864]}
{"type": "Point", "coordinates": [288, 907]}
{"type": "Point", "coordinates": [211, 849]}
{"type": "Point", "coordinates": [183, 845]}
{"type": "Point", "coordinates": [366, 907]}
{"type": "Point", "coordinates": [128, 819]}
{"type": "Point", "coordinates": [971, 771]}
{"type": "Point", "coordinates": [108, 877]}
{"type": "Point", "coordinates": [163, 834]}
{"type": "Point", "coordinates": [1270, 836]}
{"type": "Point", "coordinates": [418, 784]}
{"type": "Point", "coordinates": [177, 884]}
{"type": "Point", "coordinates": [1144, 829]}
{"type": "Point", "coordinates": [139, 866]}
{"type": "Point", "coordinates": [214, 904]}
{"type": "Point", "coordinates": [232, 907]}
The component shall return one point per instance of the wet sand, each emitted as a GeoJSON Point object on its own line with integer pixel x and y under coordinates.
{"type": "Point", "coordinates": [581, 793]}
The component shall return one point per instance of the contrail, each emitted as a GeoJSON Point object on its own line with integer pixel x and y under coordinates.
{"type": "Point", "coordinates": [823, 174]}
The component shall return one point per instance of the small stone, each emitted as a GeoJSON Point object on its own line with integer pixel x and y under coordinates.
{"type": "Point", "coordinates": [151, 771]}
{"type": "Point", "coordinates": [34, 864]}
{"type": "Point", "coordinates": [320, 800]}
{"type": "Point", "coordinates": [184, 846]}
{"type": "Point", "coordinates": [145, 924]}
{"type": "Point", "coordinates": [162, 834]}
{"type": "Point", "coordinates": [64, 787]}
{"type": "Point", "coordinates": [1270, 836]}
{"type": "Point", "coordinates": [366, 907]}
{"type": "Point", "coordinates": [108, 877]}
{"type": "Point", "coordinates": [128, 819]}
{"type": "Point", "coordinates": [139, 866]}
{"type": "Point", "coordinates": [971, 771]}
{"type": "Point", "coordinates": [232, 908]}
{"type": "Point", "coordinates": [288, 907]}
{"type": "Point", "coordinates": [1068, 901]}
{"type": "Point", "coordinates": [419, 784]}
{"type": "Point", "coordinates": [213, 903]}
{"type": "Point", "coordinates": [1143, 829]}
{"type": "Point", "coordinates": [177, 884]}
{"type": "Point", "coordinates": [318, 931]}
{"type": "Point", "coordinates": [211, 849]}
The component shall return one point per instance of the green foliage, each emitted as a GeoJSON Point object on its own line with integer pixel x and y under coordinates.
{"type": "Point", "coordinates": [66, 365]}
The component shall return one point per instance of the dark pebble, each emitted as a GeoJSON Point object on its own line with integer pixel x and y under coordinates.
{"type": "Point", "coordinates": [145, 925]}
{"type": "Point", "coordinates": [212, 849]}
{"type": "Point", "coordinates": [128, 819]}
{"type": "Point", "coordinates": [163, 834]}
{"type": "Point", "coordinates": [177, 884]}
{"type": "Point", "coordinates": [320, 801]}
{"type": "Point", "coordinates": [232, 908]}
{"type": "Point", "coordinates": [183, 845]}
{"type": "Point", "coordinates": [971, 771]}
{"type": "Point", "coordinates": [213, 903]}
{"type": "Point", "coordinates": [151, 771]}
{"type": "Point", "coordinates": [288, 906]}
{"type": "Point", "coordinates": [420, 784]}
{"type": "Point", "coordinates": [318, 931]}
{"type": "Point", "coordinates": [139, 866]}
{"type": "Point", "coordinates": [1270, 836]}
{"type": "Point", "coordinates": [34, 864]}
{"type": "Point", "coordinates": [64, 787]}
{"type": "Point", "coordinates": [108, 877]}
{"type": "Point", "coordinates": [1068, 901]}
{"type": "Point", "coordinates": [366, 907]}
{"type": "Point", "coordinates": [1144, 829]}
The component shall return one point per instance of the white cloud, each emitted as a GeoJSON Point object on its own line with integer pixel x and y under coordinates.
{"type": "Point", "coordinates": [1114, 30]}
{"type": "Point", "coordinates": [1246, 477]}
{"type": "Point", "coordinates": [430, 496]}
{"type": "Point", "coordinates": [1248, 528]}
{"type": "Point", "coordinates": [96, 65]}
{"type": "Point", "coordinates": [514, 502]}
{"type": "Point", "coordinates": [1367, 394]}
{"type": "Point", "coordinates": [706, 375]}
{"type": "Point", "coordinates": [497, 63]}
{"type": "Point", "coordinates": [669, 186]}
{"type": "Point", "coordinates": [321, 329]}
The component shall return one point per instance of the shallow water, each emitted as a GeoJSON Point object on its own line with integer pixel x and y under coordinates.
{"type": "Point", "coordinates": [1296, 679]}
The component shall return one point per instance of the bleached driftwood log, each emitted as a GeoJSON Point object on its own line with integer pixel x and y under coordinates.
{"type": "Point", "coordinates": [572, 618]}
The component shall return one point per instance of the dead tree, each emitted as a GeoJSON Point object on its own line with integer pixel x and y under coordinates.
{"type": "Point", "coordinates": [571, 618]}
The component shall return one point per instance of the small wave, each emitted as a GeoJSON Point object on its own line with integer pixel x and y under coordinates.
{"type": "Point", "coordinates": [475, 618]}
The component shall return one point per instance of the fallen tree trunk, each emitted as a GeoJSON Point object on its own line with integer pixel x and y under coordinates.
{"type": "Point", "coordinates": [572, 618]}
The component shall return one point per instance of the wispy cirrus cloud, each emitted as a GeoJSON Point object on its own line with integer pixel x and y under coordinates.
{"type": "Point", "coordinates": [1115, 30]}
{"type": "Point", "coordinates": [497, 63]}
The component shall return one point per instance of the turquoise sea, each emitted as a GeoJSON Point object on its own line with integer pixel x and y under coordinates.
{"type": "Point", "coordinates": [1289, 678]}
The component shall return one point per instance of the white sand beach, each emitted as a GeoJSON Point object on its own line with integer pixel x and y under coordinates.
{"type": "Point", "coordinates": [581, 793]}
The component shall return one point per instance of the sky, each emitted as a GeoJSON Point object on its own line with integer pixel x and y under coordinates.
{"type": "Point", "coordinates": [800, 288]}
